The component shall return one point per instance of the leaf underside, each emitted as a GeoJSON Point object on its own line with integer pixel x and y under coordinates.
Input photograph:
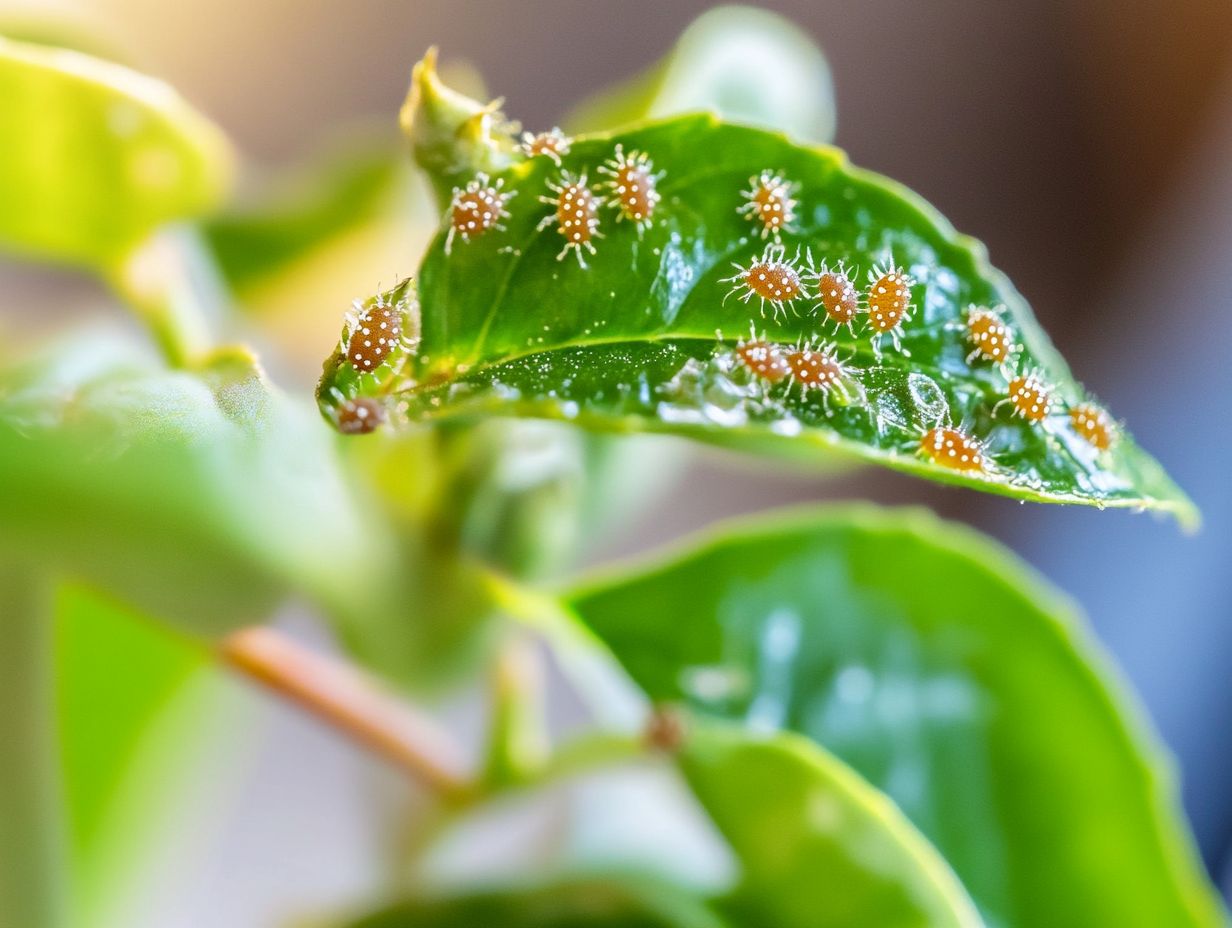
{"type": "Point", "coordinates": [642, 338]}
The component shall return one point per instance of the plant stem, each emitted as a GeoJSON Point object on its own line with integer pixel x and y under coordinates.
{"type": "Point", "coordinates": [167, 282]}
{"type": "Point", "coordinates": [343, 698]}
{"type": "Point", "coordinates": [33, 852]}
{"type": "Point", "coordinates": [517, 739]}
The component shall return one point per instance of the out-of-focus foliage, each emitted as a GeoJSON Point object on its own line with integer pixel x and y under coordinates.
{"type": "Point", "coordinates": [33, 879]}
{"type": "Point", "coordinates": [94, 156]}
{"type": "Point", "coordinates": [345, 191]}
{"type": "Point", "coordinates": [747, 65]}
{"type": "Point", "coordinates": [201, 497]}
{"type": "Point", "coordinates": [140, 712]}
{"type": "Point", "coordinates": [817, 846]}
{"type": "Point", "coordinates": [576, 903]}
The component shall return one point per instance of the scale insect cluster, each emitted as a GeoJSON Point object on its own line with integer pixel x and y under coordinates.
{"type": "Point", "coordinates": [884, 304]}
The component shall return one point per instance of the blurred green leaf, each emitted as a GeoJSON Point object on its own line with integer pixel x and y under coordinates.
{"type": "Point", "coordinates": [304, 239]}
{"type": "Point", "coordinates": [530, 496]}
{"type": "Point", "coordinates": [139, 710]}
{"type": "Point", "coordinates": [113, 676]}
{"type": "Point", "coordinates": [818, 847]}
{"type": "Point", "coordinates": [948, 676]}
{"type": "Point", "coordinates": [629, 343]}
{"type": "Point", "coordinates": [340, 190]}
{"type": "Point", "coordinates": [94, 156]}
{"type": "Point", "coordinates": [747, 65]}
{"type": "Point", "coordinates": [576, 903]}
{"type": "Point", "coordinates": [200, 497]}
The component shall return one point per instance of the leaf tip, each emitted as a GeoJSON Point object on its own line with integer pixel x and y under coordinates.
{"type": "Point", "coordinates": [450, 133]}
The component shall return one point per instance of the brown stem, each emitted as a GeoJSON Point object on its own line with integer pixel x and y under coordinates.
{"type": "Point", "coordinates": [348, 701]}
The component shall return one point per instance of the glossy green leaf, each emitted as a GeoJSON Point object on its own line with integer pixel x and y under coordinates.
{"type": "Point", "coordinates": [94, 156]}
{"type": "Point", "coordinates": [201, 496]}
{"type": "Point", "coordinates": [577, 903]}
{"type": "Point", "coordinates": [745, 64]}
{"type": "Point", "coordinates": [818, 847]}
{"type": "Point", "coordinates": [629, 342]}
{"type": "Point", "coordinates": [949, 677]}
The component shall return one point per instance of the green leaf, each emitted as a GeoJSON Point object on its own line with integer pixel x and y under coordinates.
{"type": "Point", "coordinates": [139, 713]}
{"type": "Point", "coordinates": [103, 710]}
{"type": "Point", "coordinates": [948, 676]}
{"type": "Point", "coordinates": [747, 65]}
{"type": "Point", "coordinates": [629, 343]}
{"type": "Point", "coordinates": [200, 497]}
{"type": "Point", "coordinates": [339, 192]}
{"type": "Point", "coordinates": [818, 847]}
{"type": "Point", "coordinates": [94, 156]}
{"type": "Point", "coordinates": [589, 902]}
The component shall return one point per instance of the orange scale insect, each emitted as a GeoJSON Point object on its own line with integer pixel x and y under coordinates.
{"type": "Point", "coordinates": [770, 201]}
{"type": "Point", "coordinates": [633, 185]}
{"type": "Point", "coordinates": [575, 214]}
{"type": "Point", "coordinates": [359, 416]}
{"type": "Point", "coordinates": [817, 367]}
{"type": "Point", "coordinates": [763, 359]}
{"type": "Point", "coordinates": [954, 449]}
{"type": "Point", "coordinates": [375, 332]}
{"type": "Point", "coordinates": [990, 337]}
{"type": "Point", "coordinates": [889, 303]}
{"type": "Point", "coordinates": [1094, 425]}
{"type": "Point", "coordinates": [837, 295]}
{"type": "Point", "coordinates": [476, 208]}
{"type": "Point", "coordinates": [773, 278]}
{"type": "Point", "coordinates": [551, 144]}
{"type": "Point", "coordinates": [1030, 397]}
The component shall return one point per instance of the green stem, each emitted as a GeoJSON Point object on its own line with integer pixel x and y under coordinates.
{"type": "Point", "coordinates": [167, 283]}
{"type": "Point", "coordinates": [592, 752]}
{"type": "Point", "coordinates": [33, 853]}
{"type": "Point", "coordinates": [517, 740]}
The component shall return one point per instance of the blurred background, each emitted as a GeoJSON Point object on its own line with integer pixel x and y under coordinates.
{"type": "Point", "coordinates": [1089, 144]}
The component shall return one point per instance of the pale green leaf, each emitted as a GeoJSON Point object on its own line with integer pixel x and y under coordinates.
{"type": "Point", "coordinates": [95, 156]}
